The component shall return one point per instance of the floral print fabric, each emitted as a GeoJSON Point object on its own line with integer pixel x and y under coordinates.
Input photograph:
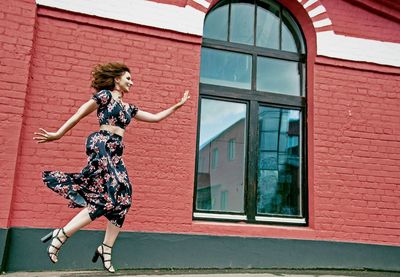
{"type": "Point", "coordinates": [112, 112]}
{"type": "Point", "coordinates": [103, 184]}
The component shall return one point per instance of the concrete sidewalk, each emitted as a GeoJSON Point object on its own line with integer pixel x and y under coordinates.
{"type": "Point", "coordinates": [213, 273]}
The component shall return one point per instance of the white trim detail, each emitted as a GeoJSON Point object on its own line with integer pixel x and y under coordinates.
{"type": "Point", "coordinates": [280, 219]}
{"type": "Point", "coordinates": [190, 21]}
{"type": "Point", "coordinates": [358, 49]}
{"type": "Point", "coordinates": [181, 19]}
{"type": "Point", "coordinates": [322, 23]}
{"type": "Point", "coordinates": [220, 216]}
{"type": "Point", "coordinates": [309, 3]}
{"type": "Point", "coordinates": [318, 10]}
{"type": "Point", "coordinates": [204, 3]}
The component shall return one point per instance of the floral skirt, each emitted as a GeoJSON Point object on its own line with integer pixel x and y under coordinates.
{"type": "Point", "coordinates": [103, 185]}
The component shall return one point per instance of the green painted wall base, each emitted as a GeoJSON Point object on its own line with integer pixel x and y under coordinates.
{"type": "Point", "coordinates": [23, 251]}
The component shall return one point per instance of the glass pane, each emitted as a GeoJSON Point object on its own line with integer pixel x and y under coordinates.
{"type": "Point", "coordinates": [242, 23]}
{"type": "Point", "coordinates": [268, 26]}
{"type": "Point", "coordinates": [225, 68]}
{"type": "Point", "coordinates": [220, 181]}
{"type": "Point", "coordinates": [278, 76]}
{"type": "Point", "coordinates": [278, 188]}
{"type": "Point", "coordinates": [292, 40]}
{"type": "Point", "coordinates": [216, 24]}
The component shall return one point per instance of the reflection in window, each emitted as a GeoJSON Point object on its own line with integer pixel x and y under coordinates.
{"type": "Point", "coordinates": [214, 160]}
{"type": "Point", "coordinates": [278, 191]}
{"type": "Point", "coordinates": [273, 26]}
{"type": "Point", "coordinates": [231, 149]}
{"type": "Point", "coordinates": [253, 55]}
{"type": "Point", "coordinates": [278, 76]}
{"type": "Point", "coordinates": [216, 23]}
{"type": "Point", "coordinates": [225, 68]}
{"type": "Point", "coordinates": [242, 31]}
{"type": "Point", "coordinates": [224, 200]}
{"type": "Point", "coordinates": [268, 26]}
{"type": "Point", "coordinates": [217, 177]}
{"type": "Point", "coordinates": [291, 35]}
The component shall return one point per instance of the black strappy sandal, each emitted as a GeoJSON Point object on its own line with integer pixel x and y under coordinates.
{"type": "Point", "coordinates": [97, 254]}
{"type": "Point", "coordinates": [53, 236]}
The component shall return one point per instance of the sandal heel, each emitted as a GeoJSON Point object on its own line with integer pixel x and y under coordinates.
{"type": "Point", "coordinates": [53, 249]}
{"type": "Point", "coordinates": [96, 256]}
{"type": "Point", "coordinates": [47, 237]}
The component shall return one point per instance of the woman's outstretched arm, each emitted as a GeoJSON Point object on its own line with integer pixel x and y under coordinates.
{"type": "Point", "coordinates": [84, 110]}
{"type": "Point", "coordinates": [149, 117]}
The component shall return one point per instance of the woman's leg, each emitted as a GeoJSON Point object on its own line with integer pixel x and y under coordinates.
{"type": "Point", "coordinates": [111, 235]}
{"type": "Point", "coordinates": [76, 223]}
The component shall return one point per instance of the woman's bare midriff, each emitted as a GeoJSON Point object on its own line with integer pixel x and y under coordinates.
{"type": "Point", "coordinates": [113, 129]}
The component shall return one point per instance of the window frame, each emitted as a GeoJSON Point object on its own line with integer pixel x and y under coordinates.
{"type": "Point", "coordinates": [253, 100]}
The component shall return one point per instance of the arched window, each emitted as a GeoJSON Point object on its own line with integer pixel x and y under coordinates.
{"type": "Point", "coordinates": [252, 120]}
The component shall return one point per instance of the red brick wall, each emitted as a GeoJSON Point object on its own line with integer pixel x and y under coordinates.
{"type": "Point", "coordinates": [159, 157]}
{"type": "Point", "coordinates": [353, 20]}
{"type": "Point", "coordinates": [357, 153]}
{"type": "Point", "coordinates": [353, 129]}
{"type": "Point", "coordinates": [17, 20]}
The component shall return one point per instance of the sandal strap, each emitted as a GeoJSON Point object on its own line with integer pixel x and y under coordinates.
{"type": "Point", "coordinates": [106, 245]}
{"type": "Point", "coordinates": [63, 231]}
{"type": "Point", "coordinates": [62, 242]}
{"type": "Point", "coordinates": [108, 268]}
{"type": "Point", "coordinates": [55, 247]}
{"type": "Point", "coordinates": [104, 252]}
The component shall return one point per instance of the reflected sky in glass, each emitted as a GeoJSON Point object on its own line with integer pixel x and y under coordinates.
{"type": "Point", "coordinates": [278, 76]}
{"type": "Point", "coordinates": [216, 116]}
{"type": "Point", "coordinates": [225, 68]}
{"type": "Point", "coordinates": [242, 23]}
{"type": "Point", "coordinates": [268, 28]}
{"type": "Point", "coordinates": [216, 24]}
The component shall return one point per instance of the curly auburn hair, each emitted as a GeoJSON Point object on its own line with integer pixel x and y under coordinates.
{"type": "Point", "coordinates": [103, 75]}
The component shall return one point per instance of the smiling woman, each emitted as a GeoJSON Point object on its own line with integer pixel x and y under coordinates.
{"type": "Point", "coordinates": [103, 187]}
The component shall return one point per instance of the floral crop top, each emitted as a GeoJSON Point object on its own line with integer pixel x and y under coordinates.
{"type": "Point", "coordinates": [111, 112]}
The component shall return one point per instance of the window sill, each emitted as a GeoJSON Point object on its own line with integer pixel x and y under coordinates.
{"type": "Point", "coordinates": [243, 218]}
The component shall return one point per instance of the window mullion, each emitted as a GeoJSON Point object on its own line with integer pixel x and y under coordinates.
{"type": "Point", "coordinates": [280, 28]}
{"type": "Point", "coordinates": [252, 160]}
{"type": "Point", "coordinates": [229, 20]}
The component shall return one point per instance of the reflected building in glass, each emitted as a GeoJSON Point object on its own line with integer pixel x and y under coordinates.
{"type": "Point", "coordinates": [278, 189]}
{"type": "Point", "coordinates": [220, 178]}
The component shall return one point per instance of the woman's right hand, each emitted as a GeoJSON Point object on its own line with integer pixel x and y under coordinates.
{"type": "Point", "coordinates": [44, 136]}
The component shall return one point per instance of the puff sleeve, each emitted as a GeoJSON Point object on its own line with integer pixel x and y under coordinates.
{"type": "Point", "coordinates": [134, 110]}
{"type": "Point", "coordinates": [102, 97]}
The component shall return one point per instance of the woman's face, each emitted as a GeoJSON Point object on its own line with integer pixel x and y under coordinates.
{"type": "Point", "coordinates": [124, 82]}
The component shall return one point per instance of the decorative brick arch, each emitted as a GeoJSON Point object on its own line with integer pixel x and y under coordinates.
{"type": "Point", "coordinates": [314, 8]}
{"type": "Point", "coordinates": [317, 14]}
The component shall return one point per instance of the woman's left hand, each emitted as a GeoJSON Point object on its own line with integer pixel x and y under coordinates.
{"type": "Point", "coordinates": [44, 136]}
{"type": "Point", "coordinates": [185, 97]}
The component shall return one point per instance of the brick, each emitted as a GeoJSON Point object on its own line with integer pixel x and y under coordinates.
{"type": "Point", "coordinates": [355, 156]}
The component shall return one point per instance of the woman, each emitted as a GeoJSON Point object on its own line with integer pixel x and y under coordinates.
{"type": "Point", "coordinates": [102, 188]}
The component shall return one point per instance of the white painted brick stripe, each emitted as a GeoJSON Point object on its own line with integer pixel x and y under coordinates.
{"type": "Point", "coordinates": [318, 10]}
{"type": "Point", "coordinates": [357, 49]}
{"type": "Point", "coordinates": [309, 3]}
{"type": "Point", "coordinates": [204, 3]}
{"type": "Point", "coordinates": [322, 23]}
{"type": "Point", "coordinates": [182, 19]}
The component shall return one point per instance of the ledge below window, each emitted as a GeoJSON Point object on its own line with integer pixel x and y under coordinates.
{"type": "Point", "coordinates": [270, 219]}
